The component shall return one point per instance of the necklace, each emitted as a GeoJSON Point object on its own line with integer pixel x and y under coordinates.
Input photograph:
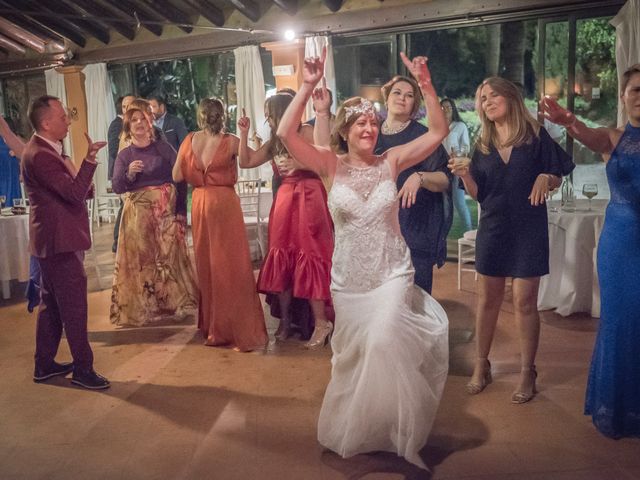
{"type": "Point", "coordinates": [387, 130]}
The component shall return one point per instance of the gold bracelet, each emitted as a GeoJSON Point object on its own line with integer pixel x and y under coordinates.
{"type": "Point", "coordinates": [420, 174]}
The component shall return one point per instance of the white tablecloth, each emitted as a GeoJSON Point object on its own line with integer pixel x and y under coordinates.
{"type": "Point", "coordinates": [14, 250]}
{"type": "Point", "coordinates": [572, 283]}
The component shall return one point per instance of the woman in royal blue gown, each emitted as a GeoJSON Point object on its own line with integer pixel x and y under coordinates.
{"type": "Point", "coordinates": [613, 390]}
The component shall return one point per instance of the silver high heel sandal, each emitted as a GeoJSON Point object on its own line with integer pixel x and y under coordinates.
{"type": "Point", "coordinates": [321, 335]}
{"type": "Point", "coordinates": [475, 388]}
{"type": "Point", "coordinates": [524, 397]}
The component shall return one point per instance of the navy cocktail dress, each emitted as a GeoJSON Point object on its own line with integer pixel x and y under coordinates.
{"type": "Point", "coordinates": [613, 391]}
{"type": "Point", "coordinates": [513, 236]}
{"type": "Point", "coordinates": [425, 225]}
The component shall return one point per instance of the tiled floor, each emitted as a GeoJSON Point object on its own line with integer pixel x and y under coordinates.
{"type": "Point", "coordinates": [179, 410]}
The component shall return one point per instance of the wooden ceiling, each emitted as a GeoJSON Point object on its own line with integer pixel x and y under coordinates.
{"type": "Point", "coordinates": [55, 25]}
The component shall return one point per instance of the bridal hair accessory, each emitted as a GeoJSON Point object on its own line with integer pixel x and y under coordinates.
{"type": "Point", "coordinates": [365, 107]}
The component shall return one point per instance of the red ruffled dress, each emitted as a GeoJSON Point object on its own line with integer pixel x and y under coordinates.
{"type": "Point", "coordinates": [300, 240]}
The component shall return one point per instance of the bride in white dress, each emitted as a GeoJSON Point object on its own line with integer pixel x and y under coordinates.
{"type": "Point", "coordinates": [390, 343]}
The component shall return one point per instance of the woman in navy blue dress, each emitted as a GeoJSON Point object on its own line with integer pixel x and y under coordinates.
{"type": "Point", "coordinates": [514, 166]}
{"type": "Point", "coordinates": [424, 189]}
{"type": "Point", "coordinates": [613, 391]}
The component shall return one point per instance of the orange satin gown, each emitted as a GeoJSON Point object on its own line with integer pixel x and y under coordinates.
{"type": "Point", "coordinates": [230, 310]}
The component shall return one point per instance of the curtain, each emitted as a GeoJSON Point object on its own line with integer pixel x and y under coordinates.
{"type": "Point", "coordinates": [100, 112]}
{"type": "Point", "coordinates": [55, 87]}
{"type": "Point", "coordinates": [313, 48]}
{"type": "Point", "coordinates": [251, 95]}
{"type": "Point", "coordinates": [627, 24]}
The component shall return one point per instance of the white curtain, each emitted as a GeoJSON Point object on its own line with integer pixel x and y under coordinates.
{"type": "Point", "coordinates": [627, 23]}
{"type": "Point", "coordinates": [55, 87]}
{"type": "Point", "coordinates": [251, 95]}
{"type": "Point", "coordinates": [100, 112]}
{"type": "Point", "coordinates": [313, 48]}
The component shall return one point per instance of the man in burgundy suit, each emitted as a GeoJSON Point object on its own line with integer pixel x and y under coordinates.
{"type": "Point", "coordinates": [59, 235]}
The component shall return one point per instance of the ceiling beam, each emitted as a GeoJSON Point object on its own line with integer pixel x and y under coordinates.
{"type": "Point", "coordinates": [11, 46]}
{"type": "Point", "coordinates": [208, 11]}
{"type": "Point", "coordinates": [60, 26]}
{"type": "Point", "coordinates": [11, 14]}
{"type": "Point", "coordinates": [87, 25]}
{"type": "Point", "coordinates": [88, 8]}
{"type": "Point", "coordinates": [289, 6]}
{"type": "Point", "coordinates": [148, 20]}
{"type": "Point", "coordinates": [171, 13]}
{"type": "Point", "coordinates": [21, 35]}
{"type": "Point", "coordinates": [248, 8]}
{"type": "Point", "coordinates": [334, 5]}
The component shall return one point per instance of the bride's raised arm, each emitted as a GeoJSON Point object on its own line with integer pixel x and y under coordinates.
{"type": "Point", "coordinates": [317, 159]}
{"type": "Point", "coordinates": [407, 155]}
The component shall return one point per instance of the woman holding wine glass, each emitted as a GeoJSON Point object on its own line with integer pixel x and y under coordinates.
{"type": "Point", "coordinates": [613, 389]}
{"type": "Point", "coordinates": [514, 166]}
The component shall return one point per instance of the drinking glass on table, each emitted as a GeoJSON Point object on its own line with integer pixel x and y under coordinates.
{"type": "Point", "coordinates": [550, 195]}
{"type": "Point", "coordinates": [3, 199]}
{"type": "Point", "coordinates": [590, 190]}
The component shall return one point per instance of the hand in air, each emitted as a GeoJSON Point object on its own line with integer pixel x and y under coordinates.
{"type": "Point", "coordinates": [243, 122]}
{"type": "Point", "coordinates": [418, 69]}
{"type": "Point", "coordinates": [93, 148]}
{"type": "Point", "coordinates": [321, 98]}
{"type": "Point", "coordinates": [313, 68]}
{"type": "Point", "coordinates": [556, 114]}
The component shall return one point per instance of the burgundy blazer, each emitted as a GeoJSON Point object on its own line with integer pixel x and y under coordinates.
{"type": "Point", "coordinates": [58, 219]}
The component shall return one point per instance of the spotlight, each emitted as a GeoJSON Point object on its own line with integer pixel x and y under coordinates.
{"type": "Point", "coordinates": [289, 34]}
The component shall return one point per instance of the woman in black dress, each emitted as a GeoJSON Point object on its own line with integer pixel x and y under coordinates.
{"type": "Point", "coordinates": [424, 189]}
{"type": "Point", "coordinates": [514, 166]}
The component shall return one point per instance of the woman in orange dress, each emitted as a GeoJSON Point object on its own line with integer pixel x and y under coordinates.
{"type": "Point", "coordinates": [230, 310]}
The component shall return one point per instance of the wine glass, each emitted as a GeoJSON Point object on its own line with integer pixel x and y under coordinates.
{"type": "Point", "coordinates": [550, 195]}
{"type": "Point", "coordinates": [590, 190]}
{"type": "Point", "coordinates": [460, 154]}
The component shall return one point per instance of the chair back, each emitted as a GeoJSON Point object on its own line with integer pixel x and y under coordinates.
{"type": "Point", "coordinates": [249, 193]}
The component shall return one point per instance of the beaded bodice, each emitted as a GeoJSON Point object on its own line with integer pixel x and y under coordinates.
{"type": "Point", "coordinates": [369, 248]}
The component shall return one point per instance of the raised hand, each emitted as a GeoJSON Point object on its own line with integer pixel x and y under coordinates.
{"type": "Point", "coordinates": [556, 114]}
{"type": "Point", "coordinates": [418, 69]}
{"type": "Point", "coordinates": [244, 122]}
{"type": "Point", "coordinates": [313, 68]}
{"type": "Point", "coordinates": [93, 148]}
{"type": "Point", "coordinates": [321, 99]}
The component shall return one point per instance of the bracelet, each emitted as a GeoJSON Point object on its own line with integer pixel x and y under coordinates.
{"type": "Point", "coordinates": [420, 174]}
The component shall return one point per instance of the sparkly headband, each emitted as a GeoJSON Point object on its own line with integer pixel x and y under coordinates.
{"type": "Point", "coordinates": [365, 107]}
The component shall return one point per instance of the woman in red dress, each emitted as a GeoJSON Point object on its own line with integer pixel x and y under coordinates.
{"type": "Point", "coordinates": [298, 262]}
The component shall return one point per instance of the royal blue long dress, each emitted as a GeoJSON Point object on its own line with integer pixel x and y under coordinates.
{"type": "Point", "coordinates": [613, 391]}
{"type": "Point", "coordinates": [9, 174]}
{"type": "Point", "coordinates": [426, 224]}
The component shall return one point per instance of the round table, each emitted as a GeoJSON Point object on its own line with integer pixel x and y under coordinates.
{"type": "Point", "coordinates": [572, 283]}
{"type": "Point", "coordinates": [14, 253]}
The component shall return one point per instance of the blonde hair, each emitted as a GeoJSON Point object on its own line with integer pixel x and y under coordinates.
{"type": "Point", "coordinates": [211, 115]}
{"type": "Point", "coordinates": [522, 126]}
{"type": "Point", "coordinates": [343, 125]}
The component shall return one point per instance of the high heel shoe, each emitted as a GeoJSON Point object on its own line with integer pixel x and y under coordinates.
{"type": "Point", "coordinates": [284, 330]}
{"type": "Point", "coordinates": [321, 335]}
{"type": "Point", "coordinates": [524, 397]}
{"type": "Point", "coordinates": [475, 388]}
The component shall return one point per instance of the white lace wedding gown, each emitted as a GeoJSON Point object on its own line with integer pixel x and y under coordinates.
{"type": "Point", "coordinates": [390, 343]}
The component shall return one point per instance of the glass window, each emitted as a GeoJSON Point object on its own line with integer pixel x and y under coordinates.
{"type": "Point", "coordinates": [596, 90]}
